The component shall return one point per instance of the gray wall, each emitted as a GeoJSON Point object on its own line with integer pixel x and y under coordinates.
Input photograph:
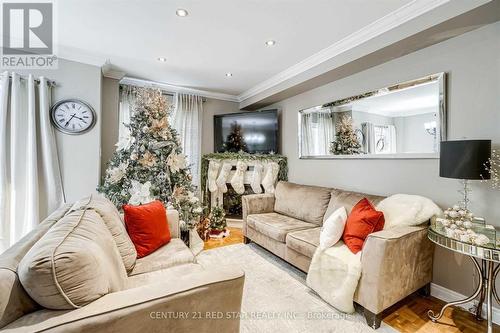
{"type": "Point", "coordinates": [411, 135]}
{"type": "Point", "coordinates": [110, 113]}
{"type": "Point", "coordinates": [472, 61]}
{"type": "Point", "coordinates": [79, 155]}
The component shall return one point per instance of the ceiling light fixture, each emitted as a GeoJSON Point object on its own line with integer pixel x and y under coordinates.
{"type": "Point", "coordinates": [162, 59]}
{"type": "Point", "coordinates": [229, 74]}
{"type": "Point", "coordinates": [270, 42]}
{"type": "Point", "coordinates": [181, 12]}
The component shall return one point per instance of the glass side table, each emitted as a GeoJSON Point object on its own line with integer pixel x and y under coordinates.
{"type": "Point", "coordinates": [486, 260]}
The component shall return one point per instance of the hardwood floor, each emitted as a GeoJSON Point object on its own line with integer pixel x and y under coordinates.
{"type": "Point", "coordinates": [410, 315]}
{"type": "Point", "coordinates": [407, 316]}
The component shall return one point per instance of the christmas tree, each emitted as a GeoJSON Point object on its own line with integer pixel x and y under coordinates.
{"type": "Point", "coordinates": [148, 163]}
{"type": "Point", "coordinates": [346, 142]}
{"type": "Point", "coordinates": [217, 219]}
{"type": "Point", "coordinates": [235, 141]}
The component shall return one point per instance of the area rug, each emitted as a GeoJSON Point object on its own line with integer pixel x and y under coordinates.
{"type": "Point", "coordinates": [276, 298]}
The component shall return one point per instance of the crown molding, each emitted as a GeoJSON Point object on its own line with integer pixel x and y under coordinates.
{"type": "Point", "coordinates": [108, 72]}
{"type": "Point", "coordinates": [392, 20]}
{"type": "Point", "coordinates": [179, 89]}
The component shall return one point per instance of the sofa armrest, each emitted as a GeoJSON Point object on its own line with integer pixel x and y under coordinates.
{"type": "Point", "coordinates": [395, 263]}
{"type": "Point", "coordinates": [173, 223]}
{"type": "Point", "coordinates": [207, 301]}
{"type": "Point", "coordinates": [256, 204]}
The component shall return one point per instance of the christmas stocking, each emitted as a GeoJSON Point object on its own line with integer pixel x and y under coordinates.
{"type": "Point", "coordinates": [238, 178]}
{"type": "Point", "coordinates": [270, 177]}
{"type": "Point", "coordinates": [223, 175]}
{"type": "Point", "coordinates": [213, 170]}
{"type": "Point", "coordinates": [257, 178]}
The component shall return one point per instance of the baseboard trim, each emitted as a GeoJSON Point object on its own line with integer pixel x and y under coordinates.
{"type": "Point", "coordinates": [448, 295]}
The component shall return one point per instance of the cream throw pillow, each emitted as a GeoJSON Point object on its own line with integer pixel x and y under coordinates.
{"type": "Point", "coordinates": [407, 210]}
{"type": "Point", "coordinates": [73, 264]}
{"type": "Point", "coordinates": [332, 229]}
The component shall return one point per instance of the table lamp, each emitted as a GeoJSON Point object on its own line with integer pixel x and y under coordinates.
{"type": "Point", "coordinates": [465, 160]}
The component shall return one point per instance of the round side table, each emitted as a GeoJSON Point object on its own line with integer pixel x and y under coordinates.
{"type": "Point", "coordinates": [486, 260]}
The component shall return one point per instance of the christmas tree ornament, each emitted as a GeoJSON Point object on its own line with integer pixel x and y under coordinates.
{"type": "Point", "coordinates": [237, 181]}
{"type": "Point", "coordinates": [257, 178]}
{"type": "Point", "coordinates": [223, 176]}
{"type": "Point", "coordinates": [140, 194]}
{"type": "Point", "coordinates": [270, 177]}
{"type": "Point", "coordinates": [213, 170]}
{"type": "Point", "coordinates": [148, 163]}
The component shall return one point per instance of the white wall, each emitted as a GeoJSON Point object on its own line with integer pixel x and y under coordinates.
{"type": "Point", "coordinates": [79, 155]}
{"type": "Point", "coordinates": [472, 62]}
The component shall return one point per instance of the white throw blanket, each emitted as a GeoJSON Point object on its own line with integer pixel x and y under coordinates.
{"type": "Point", "coordinates": [334, 274]}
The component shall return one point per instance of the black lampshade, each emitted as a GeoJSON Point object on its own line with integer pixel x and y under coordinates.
{"type": "Point", "coordinates": [465, 159]}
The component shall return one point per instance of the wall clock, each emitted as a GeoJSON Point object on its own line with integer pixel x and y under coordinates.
{"type": "Point", "coordinates": [73, 116]}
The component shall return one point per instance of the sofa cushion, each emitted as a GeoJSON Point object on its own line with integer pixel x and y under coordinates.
{"type": "Point", "coordinates": [173, 273]}
{"type": "Point", "coordinates": [110, 215]}
{"type": "Point", "coordinates": [14, 301]}
{"type": "Point", "coordinates": [73, 264]}
{"type": "Point", "coordinates": [276, 226]}
{"type": "Point", "coordinates": [303, 202]}
{"type": "Point", "coordinates": [304, 241]}
{"type": "Point", "coordinates": [347, 199]}
{"type": "Point", "coordinates": [172, 254]}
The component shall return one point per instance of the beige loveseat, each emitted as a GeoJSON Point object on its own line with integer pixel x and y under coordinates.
{"type": "Point", "coordinates": [163, 292]}
{"type": "Point", "coordinates": [395, 262]}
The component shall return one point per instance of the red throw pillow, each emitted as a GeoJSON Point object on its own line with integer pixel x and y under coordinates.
{"type": "Point", "coordinates": [362, 221]}
{"type": "Point", "coordinates": [147, 227]}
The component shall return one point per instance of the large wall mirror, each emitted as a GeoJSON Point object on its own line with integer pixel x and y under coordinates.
{"type": "Point", "coordinates": [405, 120]}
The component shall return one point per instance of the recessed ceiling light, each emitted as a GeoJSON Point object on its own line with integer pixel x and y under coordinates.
{"type": "Point", "coordinates": [181, 12]}
{"type": "Point", "coordinates": [162, 59]}
{"type": "Point", "coordinates": [271, 42]}
{"type": "Point", "coordinates": [229, 74]}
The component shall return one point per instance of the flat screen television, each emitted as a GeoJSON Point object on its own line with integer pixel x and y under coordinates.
{"type": "Point", "coordinates": [254, 132]}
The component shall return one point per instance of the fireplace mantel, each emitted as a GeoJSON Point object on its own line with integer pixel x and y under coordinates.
{"type": "Point", "coordinates": [210, 198]}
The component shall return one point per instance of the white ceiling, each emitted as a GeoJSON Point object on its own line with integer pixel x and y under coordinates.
{"type": "Point", "coordinates": [218, 36]}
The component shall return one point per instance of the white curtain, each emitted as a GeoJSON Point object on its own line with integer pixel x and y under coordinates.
{"type": "Point", "coordinates": [30, 177]}
{"type": "Point", "coordinates": [186, 119]}
{"type": "Point", "coordinates": [127, 100]}
{"type": "Point", "coordinates": [369, 143]}
{"type": "Point", "coordinates": [318, 131]}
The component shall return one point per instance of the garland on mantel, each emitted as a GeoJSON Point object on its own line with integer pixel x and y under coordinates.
{"type": "Point", "coordinates": [280, 159]}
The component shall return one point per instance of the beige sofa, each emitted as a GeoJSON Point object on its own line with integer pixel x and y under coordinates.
{"type": "Point", "coordinates": [395, 262]}
{"type": "Point", "coordinates": [163, 292]}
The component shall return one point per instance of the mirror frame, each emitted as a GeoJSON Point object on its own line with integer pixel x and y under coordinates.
{"type": "Point", "coordinates": [443, 119]}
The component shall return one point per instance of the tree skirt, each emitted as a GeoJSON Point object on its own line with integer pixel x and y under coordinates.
{"type": "Point", "coordinates": [276, 298]}
{"type": "Point", "coordinates": [219, 235]}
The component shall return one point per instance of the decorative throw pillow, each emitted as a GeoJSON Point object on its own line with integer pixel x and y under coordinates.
{"type": "Point", "coordinates": [332, 229]}
{"type": "Point", "coordinates": [147, 226]}
{"type": "Point", "coordinates": [362, 221]}
{"type": "Point", "coordinates": [407, 210]}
